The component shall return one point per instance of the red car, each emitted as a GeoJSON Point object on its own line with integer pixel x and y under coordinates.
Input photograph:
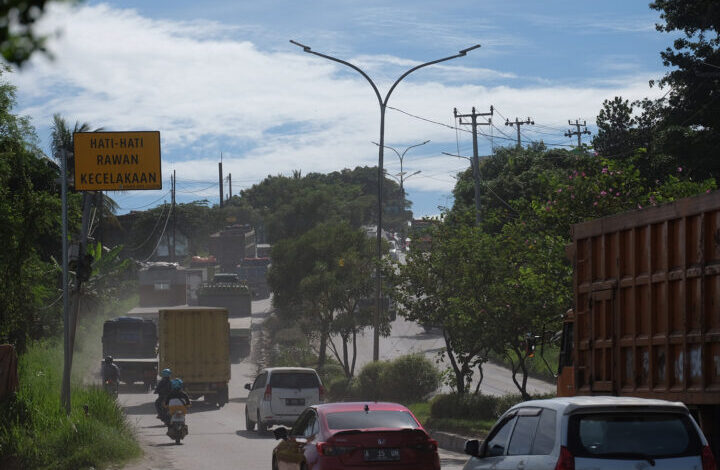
{"type": "Point", "coordinates": [335, 436]}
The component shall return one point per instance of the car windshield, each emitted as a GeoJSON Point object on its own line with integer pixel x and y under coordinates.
{"type": "Point", "coordinates": [371, 419]}
{"type": "Point", "coordinates": [294, 380]}
{"type": "Point", "coordinates": [633, 435]}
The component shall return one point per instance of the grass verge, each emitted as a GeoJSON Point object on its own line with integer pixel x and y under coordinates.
{"type": "Point", "coordinates": [35, 433]}
{"type": "Point", "coordinates": [465, 427]}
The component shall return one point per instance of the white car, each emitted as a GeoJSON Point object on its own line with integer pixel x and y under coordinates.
{"type": "Point", "coordinates": [583, 433]}
{"type": "Point", "coordinates": [280, 394]}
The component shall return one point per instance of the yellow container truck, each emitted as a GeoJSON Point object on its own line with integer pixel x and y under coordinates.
{"type": "Point", "coordinates": [194, 344]}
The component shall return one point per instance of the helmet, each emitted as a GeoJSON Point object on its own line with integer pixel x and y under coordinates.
{"type": "Point", "coordinates": [108, 359]}
{"type": "Point", "coordinates": [165, 373]}
{"type": "Point", "coordinates": [176, 384]}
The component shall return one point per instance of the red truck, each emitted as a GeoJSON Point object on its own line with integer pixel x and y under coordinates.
{"type": "Point", "coordinates": [646, 321]}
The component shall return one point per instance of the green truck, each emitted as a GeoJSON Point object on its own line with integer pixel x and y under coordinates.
{"type": "Point", "coordinates": [226, 291]}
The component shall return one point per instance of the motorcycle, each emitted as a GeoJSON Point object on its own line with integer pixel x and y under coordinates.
{"type": "Point", "coordinates": [177, 429]}
{"type": "Point", "coordinates": [111, 387]}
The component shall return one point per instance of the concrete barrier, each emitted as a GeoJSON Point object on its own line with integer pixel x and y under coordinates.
{"type": "Point", "coordinates": [449, 441]}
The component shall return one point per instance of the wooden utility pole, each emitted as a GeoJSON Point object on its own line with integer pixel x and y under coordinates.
{"type": "Point", "coordinates": [476, 159]}
{"type": "Point", "coordinates": [220, 179]}
{"type": "Point", "coordinates": [578, 132]}
{"type": "Point", "coordinates": [517, 124]}
{"type": "Point", "coordinates": [229, 186]}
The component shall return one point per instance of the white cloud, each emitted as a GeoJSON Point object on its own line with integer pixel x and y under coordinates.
{"type": "Point", "coordinates": [208, 91]}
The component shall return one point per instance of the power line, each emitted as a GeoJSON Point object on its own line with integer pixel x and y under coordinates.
{"type": "Point", "coordinates": [157, 223]}
{"type": "Point", "coordinates": [517, 124]}
{"type": "Point", "coordinates": [148, 204]}
{"type": "Point", "coordinates": [167, 219]}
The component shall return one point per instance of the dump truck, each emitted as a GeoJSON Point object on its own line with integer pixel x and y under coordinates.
{"type": "Point", "coordinates": [646, 321]}
{"type": "Point", "coordinates": [194, 344]}
{"type": "Point", "coordinates": [253, 271]}
{"type": "Point", "coordinates": [228, 292]}
{"type": "Point", "coordinates": [132, 342]}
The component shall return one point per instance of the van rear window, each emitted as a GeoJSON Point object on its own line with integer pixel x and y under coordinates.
{"type": "Point", "coordinates": [628, 435]}
{"type": "Point", "coordinates": [294, 380]}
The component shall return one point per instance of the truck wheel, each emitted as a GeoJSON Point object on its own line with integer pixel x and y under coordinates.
{"type": "Point", "coordinates": [221, 398]}
{"type": "Point", "coordinates": [262, 427]}
{"type": "Point", "coordinates": [249, 424]}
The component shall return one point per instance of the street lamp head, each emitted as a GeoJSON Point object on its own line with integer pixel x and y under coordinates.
{"type": "Point", "coordinates": [305, 48]}
{"type": "Point", "coordinates": [465, 51]}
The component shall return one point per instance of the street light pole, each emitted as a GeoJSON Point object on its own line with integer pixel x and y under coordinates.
{"type": "Point", "coordinates": [401, 156]}
{"type": "Point", "coordinates": [381, 174]}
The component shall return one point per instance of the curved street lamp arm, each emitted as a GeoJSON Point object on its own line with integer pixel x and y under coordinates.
{"type": "Point", "coordinates": [387, 147]}
{"type": "Point", "coordinates": [460, 54]}
{"type": "Point", "coordinates": [340, 61]}
{"type": "Point", "coordinates": [413, 146]}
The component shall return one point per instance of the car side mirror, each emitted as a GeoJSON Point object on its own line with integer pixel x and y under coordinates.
{"type": "Point", "coordinates": [280, 433]}
{"type": "Point", "coordinates": [248, 386]}
{"type": "Point", "coordinates": [472, 447]}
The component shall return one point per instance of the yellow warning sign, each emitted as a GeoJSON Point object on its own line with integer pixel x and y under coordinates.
{"type": "Point", "coordinates": [117, 161]}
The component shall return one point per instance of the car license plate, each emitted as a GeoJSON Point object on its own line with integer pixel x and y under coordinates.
{"type": "Point", "coordinates": [295, 401]}
{"type": "Point", "coordinates": [381, 455]}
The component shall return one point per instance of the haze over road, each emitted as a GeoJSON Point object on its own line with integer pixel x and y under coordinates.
{"type": "Point", "coordinates": [217, 438]}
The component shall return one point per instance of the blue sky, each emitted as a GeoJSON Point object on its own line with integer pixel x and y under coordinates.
{"type": "Point", "coordinates": [221, 77]}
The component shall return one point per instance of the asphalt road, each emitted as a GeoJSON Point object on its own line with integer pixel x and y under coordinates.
{"type": "Point", "coordinates": [217, 438]}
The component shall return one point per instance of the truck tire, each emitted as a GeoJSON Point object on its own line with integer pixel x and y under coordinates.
{"type": "Point", "coordinates": [249, 424]}
{"type": "Point", "coordinates": [221, 398]}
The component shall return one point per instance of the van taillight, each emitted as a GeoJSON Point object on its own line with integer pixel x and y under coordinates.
{"type": "Point", "coordinates": [321, 393]}
{"type": "Point", "coordinates": [566, 460]}
{"type": "Point", "coordinates": [268, 393]}
{"type": "Point", "coordinates": [708, 460]}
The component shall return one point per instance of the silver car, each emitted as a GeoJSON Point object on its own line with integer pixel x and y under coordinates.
{"type": "Point", "coordinates": [583, 433]}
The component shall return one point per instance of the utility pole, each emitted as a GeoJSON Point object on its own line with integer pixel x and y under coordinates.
{"type": "Point", "coordinates": [578, 132]}
{"type": "Point", "coordinates": [229, 186]}
{"type": "Point", "coordinates": [518, 123]}
{"type": "Point", "coordinates": [171, 248]}
{"type": "Point", "coordinates": [476, 159]}
{"type": "Point", "coordinates": [220, 179]}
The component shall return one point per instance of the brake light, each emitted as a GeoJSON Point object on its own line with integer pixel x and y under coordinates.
{"type": "Point", "coordinates": [566, 460]}
{"type": "Point", "coordinates": [321, 393]}
{"type": "Point", "coordinates": [268, 393]}
{"type": "Point", "coordinates": [325, 448]}
{"type": "Point", "coordinates": [429, 445]}
{"type": "Point", "coordinates": [708, 460]}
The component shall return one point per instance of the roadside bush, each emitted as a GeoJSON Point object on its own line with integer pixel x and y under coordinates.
{"type": "Point", "coordinates": [410, 378]}
{"type": "Point", "coordinates": [475, 407]}
{"type": "Point", "coordinates": [406, 379]}
{"type": "Point", "coordinates": [371, 383]}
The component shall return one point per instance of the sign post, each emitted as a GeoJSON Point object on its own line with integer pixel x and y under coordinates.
{"type": "Point", "coordinates": [104, 161]}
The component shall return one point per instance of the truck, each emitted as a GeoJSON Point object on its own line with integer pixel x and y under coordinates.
{"type": "Point", "coordinates": [646, 321]}
{"type": "Point", "coordinates": [194, 345]}
{"type": "Point", "coordinates": [132, 342]}
{"type": "Point", "coordinates": [253, 271]}
{"type": "Point", "coordinates": [228, 292]}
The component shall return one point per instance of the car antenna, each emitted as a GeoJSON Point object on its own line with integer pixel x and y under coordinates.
{"type": "Point", "coordinates": [367, 408]}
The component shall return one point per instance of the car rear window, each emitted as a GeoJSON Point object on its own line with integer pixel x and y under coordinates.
{"type": "Point", "coordinates": [371, 419]}
{"type": "Point", "coordinates": [628, 435]}
{"type": "Point", "coordinates": [294, 380]}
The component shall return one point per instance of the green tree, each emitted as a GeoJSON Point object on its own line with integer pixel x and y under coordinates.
{"type": "Point", "coordinates": [319, 278]}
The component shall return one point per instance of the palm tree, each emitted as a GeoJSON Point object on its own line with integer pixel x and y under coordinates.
{"type": "Point", "coordinates": [62, 141]}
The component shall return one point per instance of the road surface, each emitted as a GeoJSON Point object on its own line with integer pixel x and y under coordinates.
{"type": "Point", "coordinates": [217, 438]}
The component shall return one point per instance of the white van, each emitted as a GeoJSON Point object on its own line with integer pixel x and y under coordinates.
{"type": "Point", "coordinates": [280, 394]}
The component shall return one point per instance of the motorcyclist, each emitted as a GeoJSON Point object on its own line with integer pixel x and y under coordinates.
{"type": "Point", "coordinates": [162, 390]}
{"type": "Point", "coordinates": [176, 391]}
{"type": "Point", "coordinates": [110, 370]}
